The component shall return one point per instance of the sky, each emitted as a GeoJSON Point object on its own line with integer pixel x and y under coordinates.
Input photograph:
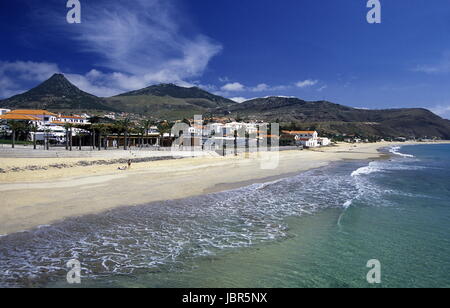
{"type": "Point", "coordinates": [310, 49]}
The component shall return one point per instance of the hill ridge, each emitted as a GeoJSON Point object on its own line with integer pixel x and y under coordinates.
{"type": "Point", "coordinates": [56, 93]}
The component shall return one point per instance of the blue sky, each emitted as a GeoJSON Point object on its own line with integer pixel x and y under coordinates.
{"type": "Point", "coordinates": [311, 49]}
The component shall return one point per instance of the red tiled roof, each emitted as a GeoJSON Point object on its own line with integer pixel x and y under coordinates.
{"type": "Point", "coordinates": [300, 132]}
{"type": "Point", "coordinates": [9, 116]}
{"type": "Point", "coordinates": [71, 117]}
{"type": "Point", "coordinates": [32, 112]}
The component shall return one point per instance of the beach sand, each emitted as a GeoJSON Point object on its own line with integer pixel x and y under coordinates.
{"type": "Point", "coordinates": [41, 197]}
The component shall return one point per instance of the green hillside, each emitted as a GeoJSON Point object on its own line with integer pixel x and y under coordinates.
{"type": "Point", "coordinates": [56, 93]}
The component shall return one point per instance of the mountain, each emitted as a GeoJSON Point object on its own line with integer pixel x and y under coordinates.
{"type": "Point", "coordinates": [169, 101]}
{"type": "Point", "coordinates": [332, 118]}
{"type": "Point", "coordinates": [56, 94]}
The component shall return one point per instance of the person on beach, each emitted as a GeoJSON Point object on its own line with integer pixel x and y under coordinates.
{"type": "Point", "coordinates": [129, 164]}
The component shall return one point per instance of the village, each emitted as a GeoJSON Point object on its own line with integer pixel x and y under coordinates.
{"type": "Point", "coordinates": [44, 129]}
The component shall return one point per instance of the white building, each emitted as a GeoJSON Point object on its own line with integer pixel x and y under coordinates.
{"type": "Point", "coordinates": [251, 128]}
{"type": "Point", "coordinates": [111, 116]}
{"type": "Point", "coordinates": [50, 126]}
{"type": "Point", "coordinates": [307, 142]}
{"type": "Point", "coordinates": [4, 111]}
{"type": "Point", "coordinates": [308, 139]}
{"type": "Point", "coordinates": [50, 132]}
{"type": "Point", "coordinates": [43, 117]}
{"type": "Point", "coordinates": [323, 141]}
{"type": "Point", "coordinates": [72, 120]}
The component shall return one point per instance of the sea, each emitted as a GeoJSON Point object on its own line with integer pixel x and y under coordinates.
{"type": "Point", "coordinates": [319, 228]}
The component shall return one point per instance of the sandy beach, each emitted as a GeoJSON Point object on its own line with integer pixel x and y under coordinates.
{"type": "Point", "coordinates": [39, 197]}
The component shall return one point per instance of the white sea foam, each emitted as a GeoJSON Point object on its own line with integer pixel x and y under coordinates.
{"type": "Point", "coordinates": [395, 150]}
{"type": "Point", "coordinates": [371, 168]}
{"type": "Point", "coordinates": [347, 204]}
{"type": "Point", "coordinates": [170, 234]}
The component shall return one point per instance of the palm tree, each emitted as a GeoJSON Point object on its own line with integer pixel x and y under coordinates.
{"type": "Point", "coordinates": [34, 129]}
{"type": "Point", "coordinates": [163, 127]}
{"type": "Point", "coordinates": [117, 129]}
{"type": "Point", "coordinates": [93, 120]}
{"type": "Point", "coordinates": [67, 127]}
{"type": "Point", "coordinates": [146, 125]}
{"type": "Point", "coordinates": [125, 126]}
{"type": "Point", "coordinates": [102, 130]}
{"type": "Point", "coordinates": [69, 135]}
{"type": "Point", "coordinates": [14, 126]}
{"type": "Point", "coordinates": [80, 137]}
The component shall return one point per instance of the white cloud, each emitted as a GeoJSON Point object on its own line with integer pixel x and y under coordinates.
{"type": "Point", "coordinates": [144, 38]}
{"type": "Point", "coordinates": [233, 87]}
{"type": "Point", "coordinates": [443, 66]}
{"type": "Point", "coordinates": [432, 69]}
{"type": "Point", "coordinates": [239, 99]}
{"type": "Point", "coordinates": [306, 83]}
{"type": "Point", "coordinates": [239, 87]}
{"type": "Point", "coordinates": [261, 88]}
{"type": "Point", "coordinates": [224, 79]}
{"type": "Point", "coordinates": [101, 85]}
{"type": "Point", "coordinates": [138, 42]}
{"type": "Point", "coordinates": [28, 70]}
{"type": "Point", "coordinates": [322, 88]}
{"type": "Point", "coordinates": [442, 110]}
{"type": "Point", "coordinates": [14, 75]}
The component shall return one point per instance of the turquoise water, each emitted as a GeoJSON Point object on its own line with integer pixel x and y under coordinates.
{"type": "Point", "coordinates": [317, 229]}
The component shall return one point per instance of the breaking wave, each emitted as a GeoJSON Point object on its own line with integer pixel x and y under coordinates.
{"type": "Point", "coordinates": [371, 168]}
{"type": "Point", "coordinates": [395, 150]}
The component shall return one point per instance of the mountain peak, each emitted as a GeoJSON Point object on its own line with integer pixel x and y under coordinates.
{"type": "Point", "coordinates": [175, 91]}
{"type": "Point", "coordinates": [58, 76]}
{"type": "Point", "coordinates": [57, 82]}
{"type": "Point", "coordinates": [56, 93]}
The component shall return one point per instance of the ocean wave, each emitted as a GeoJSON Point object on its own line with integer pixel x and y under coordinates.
{"type": "Point", "coordinates": [382, 166]}
{"type": "Point", "coordinates": [166, 236]}
{"type": "Point", "coordinates": [395, 150]}
{"type": "Point", "coordinates": [347, 204]}
{"type": "Point", "coordinates": [371, 168]}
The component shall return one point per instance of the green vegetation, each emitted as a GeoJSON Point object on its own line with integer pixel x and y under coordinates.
{"type": "Point", "coordinates": [333, 119]}
{"type": "Point", "coordinates": [9, 141]}
{"type": "Point", "coordinates": [57, 93]}
{"type": "Point", "coordinates": [170, 102]}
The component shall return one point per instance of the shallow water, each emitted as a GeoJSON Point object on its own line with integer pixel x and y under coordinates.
{"type": "Point", "coordinates": [317, 229]}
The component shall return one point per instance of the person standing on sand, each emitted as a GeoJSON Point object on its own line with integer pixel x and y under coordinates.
{"type": "Point", "coordinates": [129, 164]}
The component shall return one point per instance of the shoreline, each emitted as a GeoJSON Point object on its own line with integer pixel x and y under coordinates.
{"type": "Point", "coordinates": [51, 195]}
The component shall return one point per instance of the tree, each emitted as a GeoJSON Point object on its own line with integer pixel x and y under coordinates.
{"type": "Point", "coordinates": [102, 130]}
{"type": "Point", "coordinates": [69, 135]}
{"type": "Point", "coordinates": [164, 127]}
{"type": "Point", "coordinates": [34, 130]}
{"type": "Point", "coordinates": [94, 120]}
{"type": "Point", "coordinates": [146, 125]}
{"type": "Point", "coordinates": [67, 127]}
{"type": "Point", "coordinates": [125, 126]}
{"type": "Point", "coordinates": [15, 126]}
